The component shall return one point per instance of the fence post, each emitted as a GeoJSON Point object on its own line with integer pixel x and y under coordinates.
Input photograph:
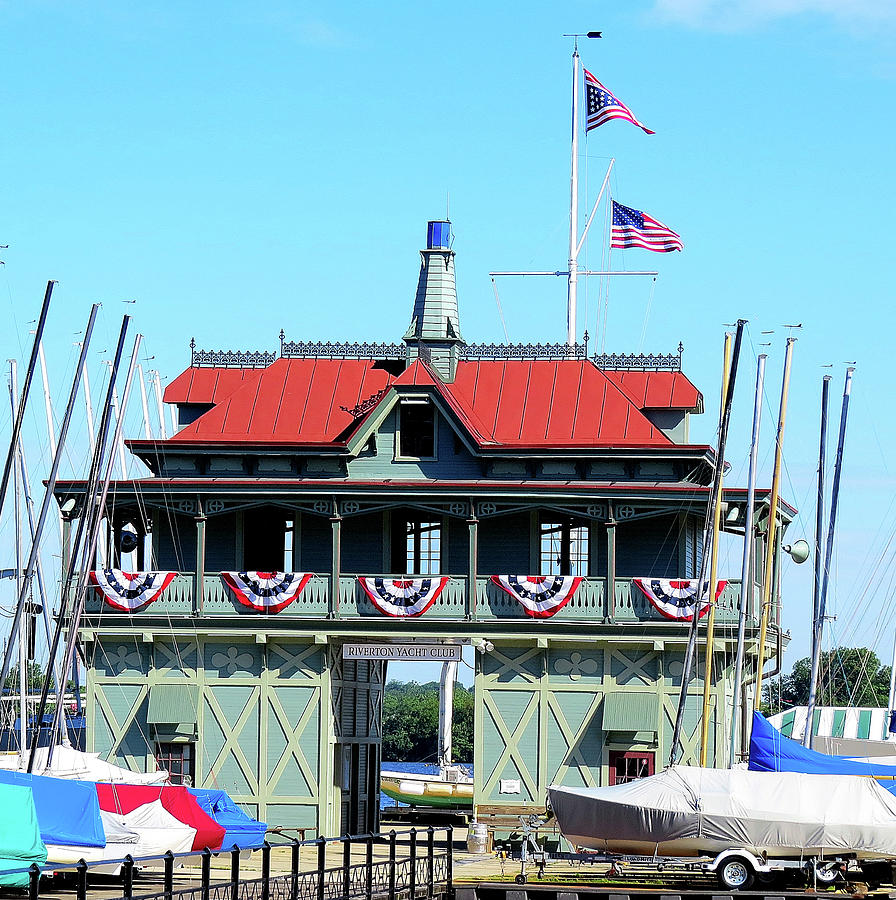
{"type": "Point", "coordinates": [430, 859]}
{"type": "Point", "coordinates": [206, 872]}
{"type": "Point", "coordinates": [33, 881]}
{"type": "Point", "coordinates": [127, 876]}
{"type": "Point", "coordinates": [321, 868]}
{"type": "Point", "coordinates": [265, 871]}
{"type": "Point", "coordinates": [392, 864]}
{"type": "Point", "coordinates": [346, 866]}
{"type": "Point", "coordinates": [449, 856]}
{"type": "Point", "coordinates": [81, 879]}
{"type": "Point", "coordinates": [412, 886]}
{"type": "Point", "coordinates": [235, 874]}
{"type": "Point", "coordinates": [368, 865]}
{"type": "Point", "coordinates": [169, 874]}
{"type": "Point", "coordinates": [294, 869]}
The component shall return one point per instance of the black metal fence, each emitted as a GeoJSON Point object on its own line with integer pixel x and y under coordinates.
{"type": "Point", "coordinates": [355, 867]}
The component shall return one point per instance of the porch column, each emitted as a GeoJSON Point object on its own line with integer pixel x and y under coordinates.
{"type": "Point", "coordinates": [473, 568]}
{"type": "Point", "coordinates": [199, 584]}
{"type": "Point", "coordinates": [611, 564]}
{"type": "Point", "coordinates": [335, 563]}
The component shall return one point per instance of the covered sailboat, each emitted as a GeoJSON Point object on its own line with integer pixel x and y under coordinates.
{"type": "Point", "coordinates": [67, 762]}
{"type": "Point", "coordinates": [771, 751]}
{"type": "Point", "coordinates": [690, 811]}
{"type": "Point", "coordinates": [68, 812]}
{"type": "Point", "coordinates": [20, 840]}
{"type": "Point", "coordinates": [176, 799]}
{"type": "Point", "coordinates": [242, 830]}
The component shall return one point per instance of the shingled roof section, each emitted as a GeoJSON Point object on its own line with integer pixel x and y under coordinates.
{"type": "Point", "coordinates": [503, 403]}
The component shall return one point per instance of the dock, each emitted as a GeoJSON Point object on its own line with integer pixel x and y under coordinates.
{"type": "Point", "coordinates": [416, 864]}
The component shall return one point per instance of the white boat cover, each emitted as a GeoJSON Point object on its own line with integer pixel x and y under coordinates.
{"type": "Point", "coordinates": [75, 764]}
{"type": "Point", "coordinates": [148, 830]}
{"type": "Point", "coordinates": [687, 810]}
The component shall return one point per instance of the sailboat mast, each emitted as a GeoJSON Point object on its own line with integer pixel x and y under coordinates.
{"type": "Point", "coordinates": [828, 553]}
{"type": "Point", "coordinates": [29, 509]}
{"type": "Point", "coordinates": [573, 205]}
{"type": "Point", "coordinates": [157, 389]}
{"type": "Point", "coordinates": [819, 501]}
{"type": "Point", "coordinates": [48, 496]}
{"type": "Point", "coordinates": [713, 573]}
{"type": "Point", "coordinates": [147, 428]}
{"type": "Point", "coordinates": [87, 514]}
{"type": "Point", "coordinates": [446, 710]}
{"type": "Point", "coordinates": [23, 402]}
{"type": "Point", "coordinates": [17, 514]}
{"type": "Point", "coordinates": [746, 577]}
{"type": "Point", "coordinates": [90, 543]}
{"type": "Point", "coordinates": [715, 498]}
{"type": "Point", "coordinates": [768, 572]}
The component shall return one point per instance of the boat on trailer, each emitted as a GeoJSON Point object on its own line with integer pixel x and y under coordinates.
{"type": "Point", "coordinates": [690, 811]}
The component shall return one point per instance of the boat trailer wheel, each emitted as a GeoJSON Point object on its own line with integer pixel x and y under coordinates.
{"type": "Point", "coordinates": [735, 873]}
{"type": "Point", "coordinates": [825, 873]}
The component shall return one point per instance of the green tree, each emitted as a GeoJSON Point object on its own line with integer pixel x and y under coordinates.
{"type": "Point", "coordinates": [411, 722]}
{"type": "Point", "coordinates": [847, 676]}
{"type": "Point", "coordinates": [34, 676]}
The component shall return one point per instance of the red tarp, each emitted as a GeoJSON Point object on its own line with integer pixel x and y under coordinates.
{"type": "Point", "coordinates": [123, 798]}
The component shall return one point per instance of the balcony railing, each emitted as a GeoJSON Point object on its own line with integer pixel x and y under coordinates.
{"type": "Point", "coordinates": [490, 603]}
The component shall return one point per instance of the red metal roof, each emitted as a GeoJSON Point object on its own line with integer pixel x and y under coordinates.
{"type": "Point", "coordinates": [517, 403]}
{"type": "Point", "coordinates": [659, 390]}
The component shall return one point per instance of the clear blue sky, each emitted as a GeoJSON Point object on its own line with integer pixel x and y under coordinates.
{"type": "Point", "coordinates": [250, 166]}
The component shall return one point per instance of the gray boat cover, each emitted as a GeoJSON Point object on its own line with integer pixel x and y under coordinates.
{"type": "Point", "coordinates": [734, 808]}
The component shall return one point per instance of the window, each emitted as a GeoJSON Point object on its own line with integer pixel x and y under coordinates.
{"type": "Point", "coordinates": [564, 548]}
{"type": "Point", "coordinates": [629, 765]}
{"type": "Point", "coordinates": [178, 759]}
{"type": "Point", "coordinates": [417, 431]}
{"type": "Point", "coordinates": [423, 548]}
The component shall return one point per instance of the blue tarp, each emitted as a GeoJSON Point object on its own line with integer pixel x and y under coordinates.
{"type": "Point", "coordinates": [770, 751]}
{"type": "Point", "coordinates": [242, 830]}
{"type": "Point", "coordinates": [68, 812]}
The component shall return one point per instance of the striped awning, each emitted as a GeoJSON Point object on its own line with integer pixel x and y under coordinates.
{"type": "Point", "coordinates": [855, 722]}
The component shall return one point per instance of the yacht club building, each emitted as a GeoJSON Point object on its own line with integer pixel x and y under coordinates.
{"type": "Point", "coordinates": [432, 491]}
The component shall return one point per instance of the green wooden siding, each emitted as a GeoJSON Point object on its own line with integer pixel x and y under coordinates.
{"type": "Point", "coordinates": [221, 551]}
{"type": "Point", "coordinates": [362, 544]}
{"type": "Point", "coordinates": [631, 711]}
{"type": "Point", "coordinates": [546, 715]}
{"type": "Point", "coordinates": [315, 543]}
{"type": "Point", "coordinates": [648, 547]}
{"type": "Point", "coordinates": [174, 542]}
{"type": "Point", "coordinates": [453, 460]}
{"type": "Point", "coordinates": [263, 711]}
{"type": "Point", "coordinates": [505, 545]}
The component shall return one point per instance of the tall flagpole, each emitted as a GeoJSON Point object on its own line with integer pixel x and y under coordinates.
{"type": "Point", "coordinates": [573, 205]}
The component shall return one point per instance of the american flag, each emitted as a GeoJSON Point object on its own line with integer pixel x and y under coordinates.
{"type": "Point", "coordinates": [633, 228]}
{"type": "Point", "coordinates": [603, 106]}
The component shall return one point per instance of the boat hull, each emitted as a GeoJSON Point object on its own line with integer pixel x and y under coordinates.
{"type": "Point", "coordinates": [426, 791]}
{"type": "Point", "coordinates": [694, 812]}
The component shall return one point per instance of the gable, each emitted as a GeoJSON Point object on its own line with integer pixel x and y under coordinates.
{"type": "Point", "coordinates": [380, 454]}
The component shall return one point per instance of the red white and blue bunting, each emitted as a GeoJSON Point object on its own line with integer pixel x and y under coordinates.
{"type": "Point", "coordinates": [403, 597]}
{"type": "Point", "coordinates": [130, 591]}
{"type": "Point", "coordinates": [676, 598]}
{"type": "Point", "coordinates": [266, 592]}
{"type": "Point", "coordinates": [540, 595]}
